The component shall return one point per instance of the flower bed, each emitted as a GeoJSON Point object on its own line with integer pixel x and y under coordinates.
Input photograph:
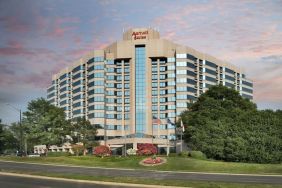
{"type": "Point", "coordinates": [151, 161]}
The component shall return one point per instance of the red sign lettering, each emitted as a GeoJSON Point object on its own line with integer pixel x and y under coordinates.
{"type": "Point", "coordinates": [140, 35]}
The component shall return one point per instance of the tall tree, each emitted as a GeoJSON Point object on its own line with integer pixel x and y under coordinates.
{"type": "Point", "coordinates": [225, 126]}
{"type": "Point", "coordinates": [45, 123]}
{"type": "Point", "coordinates": [8, 142]}
{"type": "Point", "coordinates": [83, 131]}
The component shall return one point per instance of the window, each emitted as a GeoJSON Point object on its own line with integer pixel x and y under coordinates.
{"type": "Point", "coordinates": [162, 92]}
{"type": "Point", "coordinates": [181, 104]}
{"type": "Point", "coordinates": [162, 69]}
{"type": "Point", "coordinates": [99, 90]}
{"type": "Point", "coordinates": [181, 97]}
{"type": "Point", "coordinates": [162, 77]}
{"type": "Point", "coordinates": [171, 67]}
{"type": "Point", "coordinates": [154, 100]}
{"type": "Point", "coordinates": [154, 84]}
{"type": "Point", "coordinates": [110, 62]}
{"type": "Point", "coordinates": [162, 84]}
{"type": "Point", "coordinates": [154, 77]}
{"type": "Point", "coordinates": [127, 108]}
{"type": "Point", "coordinates": [119, 100]}
{"type": "Point", "coordinates": [99, 75]}
{"type": "Point", "coordinates": [171, 115]}
{"type": "Point", "coordinates": [181, 72]}
{"type": "Point", "coordinates": [171, 99]}
{"type": "Point", "coordinates": [171, 83]}
{"type": "Point", "coordinates": [171, 91]}
{"type": "Point", "coordinates": [162, 100]}
{"type": "Point", "coordinates": [110, 70]}
{"type": "Point", "coordinates": [181, 89]}
{"type": "Point", "coordinates": [110, 77]}
{"type": "Point", "coordinates": [126, 78]}
{"type": "Point", "coordinates": [162, 107]}
{"type": "Point", "coordinates": [247, 83]}
{"type": "Point", "coordinates": [78, 97]}
{"type": "Point", "coordinates": [119, 86]}
{"type": "Point", "coordinates": [126, 86]}
{"type": "Point", "coordinates": [154, 107]}
{"type": "Point", "coordinates": [110, 100]}
{"type": "Point", "coordinates": [110, 85]}
{"type": "Point", "coordinates": [110, 108]}
{"type": "Point", "coordinates": [181, 55]}
{"type": "Point", "coordinates": [126, 93]}
{"type": "Point", "coordinates": [171, 107]}
{"type": "Point", "coordinates": [127, 100]}
{"type": "Point", "coordinates": [99, 107]}
{"type": "Point", "coordinates": [181, 80]}
{"type": "Point", "coordinates": [181, 63]}
{"type": "Point", "coordinates": [170, 59]}
{"type": "Point", "coordinates": [98, 59]}
{"type": "Point", "coordinates": [110, 92]}
{"type": "Point", "coordinates": [171, 75]}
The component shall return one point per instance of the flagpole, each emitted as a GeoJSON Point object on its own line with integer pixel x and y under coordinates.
{"type": "Point", "coordinates": [181, 141]}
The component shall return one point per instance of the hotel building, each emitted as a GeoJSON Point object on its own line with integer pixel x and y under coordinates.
{"type": "Point", "coordinates": [128, 82]}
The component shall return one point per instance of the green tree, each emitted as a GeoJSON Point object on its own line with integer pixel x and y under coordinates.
{"type": "Point", "coordinates": [225, 126]}
{"type": "Point", "coordinates": [83, 131]}
{"type": "Point", "coordinates": [8, 142]}
{"type": "Point", "coordinates": [45, 123]}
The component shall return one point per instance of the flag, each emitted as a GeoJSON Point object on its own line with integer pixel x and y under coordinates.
{"type": "Point", "coordinates": [156, 120]}
{"type": "Point", "coordinates": [182, 126]}
{"type": "Point", "coordinates": [170, 122]}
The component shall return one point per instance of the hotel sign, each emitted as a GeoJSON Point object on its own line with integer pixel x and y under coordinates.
{"type": "Point", "coordinates": [140, 35]}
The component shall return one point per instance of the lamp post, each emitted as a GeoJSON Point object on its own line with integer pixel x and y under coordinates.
{"type": "Point", "coordinates": [21, 128]}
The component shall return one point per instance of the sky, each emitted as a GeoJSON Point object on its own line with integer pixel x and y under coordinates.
{"type": "Point", "coordinates": [39, 37]}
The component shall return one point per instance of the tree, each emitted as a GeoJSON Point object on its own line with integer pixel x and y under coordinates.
{"type": "Point", "coordinates": [8, 142]}
{"type": "Point", "coordinates": [225, 126]}
{"type": "Point", "coordinates": [83, 131]}
{"type": "Point", "coordinates": [45, 123]}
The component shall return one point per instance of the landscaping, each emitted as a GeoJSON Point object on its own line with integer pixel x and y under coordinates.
{"type": "Point", "coordinates": [173, 164]}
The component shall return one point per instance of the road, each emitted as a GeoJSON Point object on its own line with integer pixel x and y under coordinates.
{"type": "Point", "coordinates": [15, 181]}
{"type": "Point", "coordinates": [161, 175]}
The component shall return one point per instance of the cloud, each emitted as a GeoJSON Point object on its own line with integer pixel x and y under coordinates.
{"type": "Point", "coordinates": [14, 24]}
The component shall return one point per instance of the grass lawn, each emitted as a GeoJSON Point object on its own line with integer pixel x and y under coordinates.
{"type": "Point", "coordinates": [173, 164]}
{"type": "Point", "coordinates": [148, 181]}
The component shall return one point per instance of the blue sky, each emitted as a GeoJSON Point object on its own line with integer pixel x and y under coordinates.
{"type": "Point", "coordinates": [40, 37]}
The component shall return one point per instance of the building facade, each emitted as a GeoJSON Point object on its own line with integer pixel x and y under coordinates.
{"type": "Point", "coordinates": [122, 87]}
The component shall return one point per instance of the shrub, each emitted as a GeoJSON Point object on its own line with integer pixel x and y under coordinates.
{"type": "Point", "coordinates": [78, 149]}
{"type": "Point", "coordinates": [131, 151]}
{"type": "Point", "coordinates": [146, 149]}
{"type": "Point", "coordinates": [197, 155]}
{"type": "Point", "coordinates": [183, 154]}
{"type": "Point", "coordinates": [102, 151]}
{"type": "Point", "coordinates": [58, 154]}
{"type": "Point", "coordinates": [172, 154]}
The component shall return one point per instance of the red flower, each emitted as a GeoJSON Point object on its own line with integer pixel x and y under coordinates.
{"type": "Point", "coordinates": [146, 149]}
{"type": "Point", "coordinates": [102, 151]}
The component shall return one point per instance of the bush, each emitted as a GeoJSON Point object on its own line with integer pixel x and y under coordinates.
{"type": "Point", "coordinates": [58, 154]}
{"type": "Point", "coordinates": [131, 151]}
{"type": "Point", "coordinates": [184, 154]}
{"type": "Point", "coordinates": [197, 155]}
{"type": "Point", "coordinates": [172, 155]}
{"type": "Point", "coordinates": [146, 149]}
{"type": "Point", "coordinates": [78, 149]}
{"type": "Point", "coordinates": [102, 151]}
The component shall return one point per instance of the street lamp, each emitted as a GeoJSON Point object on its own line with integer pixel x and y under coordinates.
{"type": "Point", "coordinates": [21, 128]}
